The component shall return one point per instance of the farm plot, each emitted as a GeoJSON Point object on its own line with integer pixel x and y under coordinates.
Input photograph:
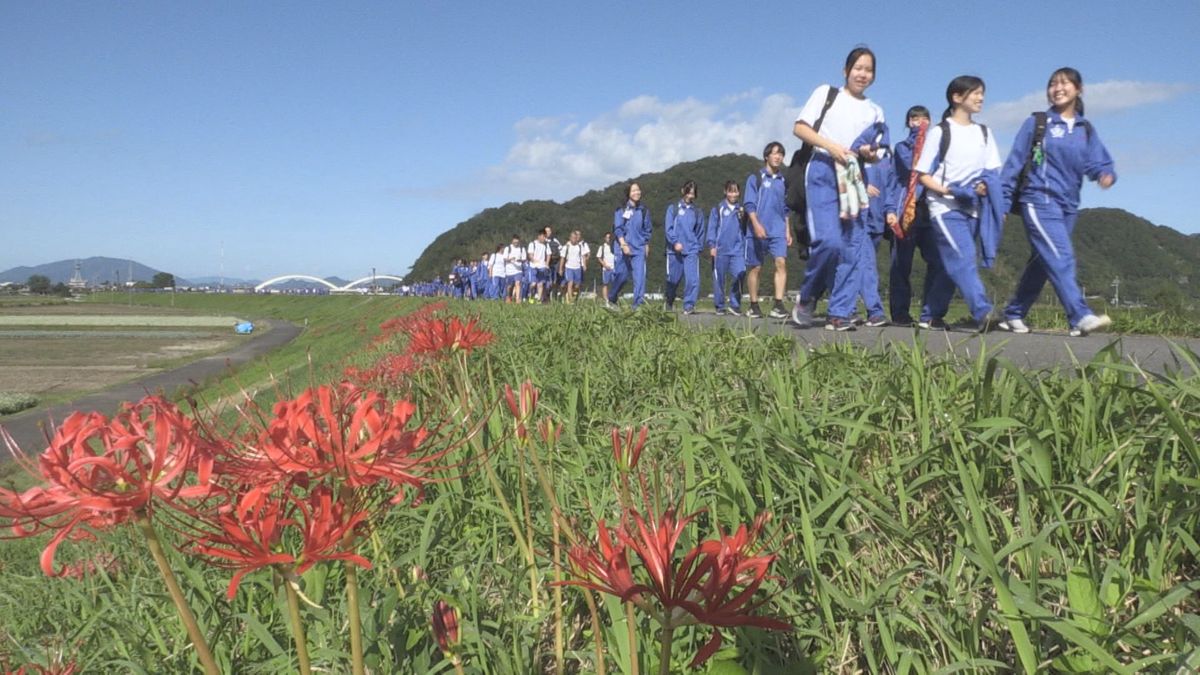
{"type": "Point", "coordinates": [61, 354]}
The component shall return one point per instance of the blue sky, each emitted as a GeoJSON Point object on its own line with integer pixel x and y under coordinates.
{"type": "Point", "coordinates": [267, 138]}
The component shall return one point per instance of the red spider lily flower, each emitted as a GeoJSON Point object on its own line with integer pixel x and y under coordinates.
{"type": "Point", "coordinates": [445, 626]}
{"type": "Point", "coordinates": [100, 562]}
{"type": "Point", "coordinates": [605, 568]}
{"type": "Point", "coordinates": [728, 593]}
{"type": "Point", "coordinates": [521, 406]}
{"type": "Point", "coordinates": [345, 432]}
{"type": "Point", "coordinates": [713, 583]}
{"type": "Point", "coordinates": [255, 534]}
{"type": "Point", "coordinates": [402, 325]}
{"type": "Point", "coordinates": [549, 431]}
{"type": "Point", "coordinates": [433, 336]}
{"type": "Point", "coordinates": [246, 539]}
{"type": "Point", "coordinates": [628, 453]}
{"type": "Point", "coordinates": [99, 473]}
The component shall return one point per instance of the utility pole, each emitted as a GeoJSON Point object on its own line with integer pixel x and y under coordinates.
{"type": "Point", "coordinates": [1116, 284]}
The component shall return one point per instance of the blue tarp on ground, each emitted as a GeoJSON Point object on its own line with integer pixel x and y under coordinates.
{"type": "Point", "coordinates": [244, 328]}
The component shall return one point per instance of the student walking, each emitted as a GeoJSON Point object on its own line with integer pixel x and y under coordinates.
{"type": "Point", "coordinates": [539, 267]}
{"type": "Point", "coordinates": [1050, 157]}
{"type": "Point", "coordinates": [631, 232]}
{"type": "Point", "coordinates": [608, 263]}
{"type": "Point", "coordinates": [515, 259]}
{"type": "Point", "coordinates": [685, 235]}
{"type": "Point", "coordinates": [919, 235]}
{"type": "Point", "coordinates": [830, 121]}
{"type": "Point", "coordinates": [956, 177]}
{"type": "Point", "coordinates": [769, 228]}
{"type": "Point", "coordinates": [726, 241]}
{"type": "Point", "coordinates": [573, 264]}
{"type": "Point", "coordinates": [883, 194]}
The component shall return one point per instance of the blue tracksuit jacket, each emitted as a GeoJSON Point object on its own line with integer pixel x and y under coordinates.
{"type": "Point", "coordinates": [684, 225]}
{"type": "Point", "coordinates": [1069, 157]}
{"type": "Point", "coordinates": [635, 229]}
{"type": "Point", "coordinates": [764, 195]}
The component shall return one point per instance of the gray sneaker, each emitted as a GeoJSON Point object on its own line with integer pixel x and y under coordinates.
{"type": "Point", "coordinates": [777, 311]}
{"type": "Point", "coordinates": [801, 316]}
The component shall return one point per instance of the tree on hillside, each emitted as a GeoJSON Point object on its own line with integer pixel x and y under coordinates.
{"type": "Point", "coordinates": [38, 283]}
{"type": "Point", "coordinates": [163, 280]}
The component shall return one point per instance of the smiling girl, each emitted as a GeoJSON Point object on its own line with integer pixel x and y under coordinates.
{"type": "Point", "coordinates": [1047, 195]}
{"type": "Point", "coordinates": [831, 126]}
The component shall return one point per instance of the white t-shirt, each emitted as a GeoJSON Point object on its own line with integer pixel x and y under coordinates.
{"type": "Point", "coordinates": [496, 264]}
{"type": "Point", "coordinates": [573, 254]}
{"type": "Point", "coordinates": [539, 255]}
{"type": "Point", "coordinates": [513, 257]}
{"type": "Point", "coordinates": [847, 117]}
{"type": "Point", "coordinates": [606, 256]}
{"type": "Point", "coordinates": [967, 157]}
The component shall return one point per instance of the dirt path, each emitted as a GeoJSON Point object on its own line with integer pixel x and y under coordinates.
{"type": "Point", "coordinates": [26, 428]}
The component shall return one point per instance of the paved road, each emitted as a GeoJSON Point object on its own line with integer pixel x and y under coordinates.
{"type": "Point", "coordinates": [1033, 351]}
{"type": "Point", "coordinates": [26, 427]}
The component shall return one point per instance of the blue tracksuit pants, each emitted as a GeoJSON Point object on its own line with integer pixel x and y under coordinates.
{"type": "Point", "coordinates": [920, 237]}
{"type": "Point", "coordinates": [629, 267]}
{"type": "Point", "coordinates": [685, 266]}
{"type": "Point", "coordinates": [848, 272]}
{"type": "Point", "coordinates": [832, 239]}
{"type": "Point", "coordinates": [1049, 230]}
{"type": "Point", "coordinates": [954, 232]}
{"type": "Point", "coordinates": [731, 268]}
{"type": "Point", "coordinates": [868, 275]}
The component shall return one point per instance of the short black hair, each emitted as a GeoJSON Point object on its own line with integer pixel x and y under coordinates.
{"type": "Point", "coordinates": [771, 146]}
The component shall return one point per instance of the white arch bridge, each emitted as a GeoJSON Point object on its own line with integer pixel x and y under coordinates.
{"type": "Point", "coordinates": [333, 288]}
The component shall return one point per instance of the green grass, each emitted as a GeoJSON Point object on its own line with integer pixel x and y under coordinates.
{"type": "Point", "coordinates": [933, 515]}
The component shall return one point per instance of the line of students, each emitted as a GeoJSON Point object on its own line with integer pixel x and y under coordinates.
{"type": "Point", "coordinates": [961, 192]}
{"type": "Point", "coordinates": [526, 273]}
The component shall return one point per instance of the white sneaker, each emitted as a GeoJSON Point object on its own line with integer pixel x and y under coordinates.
{"type": "Point", "coordinates": [1014, 326]}
{"type": "Point", "coordinates": [1091, 324]}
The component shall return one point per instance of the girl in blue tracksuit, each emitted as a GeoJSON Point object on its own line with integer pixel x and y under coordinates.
{"type": "Point", "coordinates": [920, 235]}
{"type": "Point", "coordinates": [883, 190]}
{"type": "Point", "coordinates": [631, 245]}
{"type": "Point", "coordinates": [1048, 199]}
{"type": "Point", "coordinates": [726, 243]}
{"type": "Point", "coordinates": [834, 242]}
{"type": "Point", "coordinates": [685, 235]}
{"type": "Point", "coordinates": [953, 187]}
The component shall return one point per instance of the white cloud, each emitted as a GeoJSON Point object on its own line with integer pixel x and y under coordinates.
{"type": "Point", "coordinates": [1100, 98]}
{"type": "Point", "coordinates": [559, 157]}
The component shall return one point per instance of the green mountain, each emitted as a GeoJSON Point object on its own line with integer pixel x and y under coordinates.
{"type": "Point", "coordinates": [1155, 264]}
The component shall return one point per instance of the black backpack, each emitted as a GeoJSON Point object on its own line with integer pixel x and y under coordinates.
{"type": "Point", "coordinates": [944, 143]}
{"type": "Point", "coordinates": [796, 197]}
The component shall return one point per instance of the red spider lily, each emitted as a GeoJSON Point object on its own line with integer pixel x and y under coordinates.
{"type": "Point", "coordinates": [433, 336]}
{"type": "Point", "coordinates": [605, 570]}
{"type": "Point", "coordinates": [549, 431]}
{"type": "Point", "coordinates": [345, 432]}
{"type": "Point", "coordinates": [253, 535]}
{"type": "Point", "coordinates": [909, 213]}
{"type": "Point", "coordinates": [714, 583]}
{"type": "Point", "coordinates": [522, 409]}
{"type": "Point", "coordinates": [99, 473]}
{"type": "Point", "coordinates": [628, 453]}
{"type": "Point", "coordinates": [445, 626]}
{"type": "Point", "coordinates": [404, 324]}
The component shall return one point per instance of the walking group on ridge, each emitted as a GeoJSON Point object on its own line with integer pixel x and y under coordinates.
{"type": "Point", "coordinates": [942, 190]}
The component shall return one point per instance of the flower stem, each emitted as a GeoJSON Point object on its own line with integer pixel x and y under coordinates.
{"type": "Point", "coordinates": [356, 645]}
{"type": "Point", "coordinates": [185, 612]}
{"type": "Point", "coordinates": [558, 613]}
{"type": "Point", "coordinates": [664, 655]}
{"type": "Point", "coordinates": [297, 628]}
{"type": "Point", "coordinates": [631, 627]}
{"type": "Point", "coordinates": [601, 669]}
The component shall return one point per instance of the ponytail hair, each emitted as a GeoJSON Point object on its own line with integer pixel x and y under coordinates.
{"type": "Point", "coordinates": [963, 84]}
{"type": "Point", "coordinates": [1074, 78]}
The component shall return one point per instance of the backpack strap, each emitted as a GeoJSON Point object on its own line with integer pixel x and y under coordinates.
{"type": "Point", "coordinates": [1035, 152]}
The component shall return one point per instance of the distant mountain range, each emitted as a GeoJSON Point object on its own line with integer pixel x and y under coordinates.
{"type": "Point", "coordinates": [1153, 262]}
{"type": "Point", "coordinates": [96, 271]}
{"type": "Point", "coordinates": [100, 271]}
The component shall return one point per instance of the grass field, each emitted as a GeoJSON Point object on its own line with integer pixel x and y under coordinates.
{"type": "Point", "coordinates": [930, 515]}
